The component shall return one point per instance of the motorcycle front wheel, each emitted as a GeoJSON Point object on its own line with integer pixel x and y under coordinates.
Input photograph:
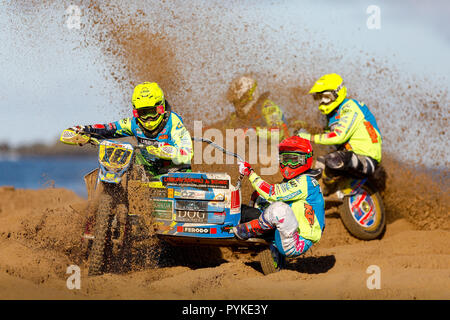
{"type": "Point", "coordinates": [363, 213]}
{"type": "Point", "coordinates": [102, 232]}
{"type": "Point", "coordinates": [271, 260]}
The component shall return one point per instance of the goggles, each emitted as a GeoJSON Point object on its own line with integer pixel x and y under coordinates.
{"type": "Point", "coordinates": [325, 97]}
{"type": "Point", "coordinates": [294, 159]}
{"type": "Point", "coordinates": [150, 112]}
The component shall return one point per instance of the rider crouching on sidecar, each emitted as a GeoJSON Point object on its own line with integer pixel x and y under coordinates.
{"type": "Point", "coordinates": [295, 208]}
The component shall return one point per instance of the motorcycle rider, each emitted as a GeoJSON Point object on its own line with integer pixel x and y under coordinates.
{"type": "Point", "coordinates": [295, 208]}
{"type": "Point", "coordinates": [351, 126]}
{"type": "Point", "coordinates": [154, 124]}
{"type": "Point", "coordinates": [252, 108]}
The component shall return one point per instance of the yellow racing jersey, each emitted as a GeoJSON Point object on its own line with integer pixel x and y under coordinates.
{"type": "Point", "coordinates": [354, 126]}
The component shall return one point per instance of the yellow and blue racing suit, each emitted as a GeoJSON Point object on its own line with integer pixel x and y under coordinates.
{"type": "Point", "coordinates": [296, 209]}
{"type": "Point", "coordinates": [266, 118]}
{"type": "Point", "coordinates": [170, 145]}
{"type": "Point", "coordinates": [353, 127]}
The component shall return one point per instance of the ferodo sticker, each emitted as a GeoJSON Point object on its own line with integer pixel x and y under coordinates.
{"type": "Point", "coordinates": [197, 230]}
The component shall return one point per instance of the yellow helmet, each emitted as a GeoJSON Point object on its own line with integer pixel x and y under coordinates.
{"type": "Point", "coordinates": [149, 105]}
{"type": "Point", "coordinates": [330, 91]}
{"type": "Point", "coordinates": [242, 92]}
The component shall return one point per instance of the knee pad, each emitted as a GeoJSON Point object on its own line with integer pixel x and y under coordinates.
{"type": "Point", "coordinates": [275, 213]}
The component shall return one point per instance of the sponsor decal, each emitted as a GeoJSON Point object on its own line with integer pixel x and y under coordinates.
{"type": "Point", "coordinates": [162, 209]}
{"type": "Point", "coordinates": [235, 202]}
{"type": "Point", "coordinates": [309, 214]}
{"type": "Point", "coordinates": [299, 243]}
{"type": "Point", "coordinates": [292, 195]}
{"type": "Point", "coordinates": [226, 228]}
{"type": "Point", "coordinates": [191, 205]}
{"type": "Point", "coordinates": [331, 135]}
{"type": "Point", "coordinates": [98, 126]}
{"type": "Point", "coordinates": [163, 137]}
{"type": "Point", "coordinates": [205, 182]}
{"type": "Point", "coordinates": [265, 187]}
{"type": "Point", "coordinates": [191, 216]}
{"type": "Point", "coordinates": [219, 197]}
{"type": "Point", "coordinates": [147, 142]}
{"type": "Point", "coordinates": [371, 131]}
{"type": "Point", "coordinates": [292, 184]}
{"type": "Point", "coordinates": [197, 230]}
{"type": "Point", "coordinates": [168, 149]}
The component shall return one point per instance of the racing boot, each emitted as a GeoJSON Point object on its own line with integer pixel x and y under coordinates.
{"type": "Point", "coordinates": [249, 229]}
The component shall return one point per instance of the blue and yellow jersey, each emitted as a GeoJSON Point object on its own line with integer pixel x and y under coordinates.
{"type": "Point", "coordinates": [355, 126]}
{"type": "Point", "coordinates": [176, 143]}
{"type": "Point", "coordinates": [303, 195]}
{"type": "Point", "coordinates": [266, 118]}
{"type": "Point", "coordinates": [274, 119]}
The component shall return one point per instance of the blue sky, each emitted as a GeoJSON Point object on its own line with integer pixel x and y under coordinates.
{"type": "Point", "coordinates": [48, 82]}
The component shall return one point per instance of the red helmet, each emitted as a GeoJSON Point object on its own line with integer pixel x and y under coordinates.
{"type": "Point", "coordinates": [295, 156]}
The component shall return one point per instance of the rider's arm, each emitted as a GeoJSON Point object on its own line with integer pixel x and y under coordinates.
{"type": "Point", "coordinates": [342, 131]}
{"type": "Point", "coordinates": [294, 189]}
{"type": "Point", "coordinates": [181, 143]}
{"type": "Point", "coordinates": [117, 129]}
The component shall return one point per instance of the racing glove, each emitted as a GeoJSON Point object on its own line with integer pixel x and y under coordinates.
{"type": "Point", "coordinates": [83, 137]}
{"type": "Point", "coordinates": [245, 168]}
{"type": "Point", "coordinates": [78, 129]}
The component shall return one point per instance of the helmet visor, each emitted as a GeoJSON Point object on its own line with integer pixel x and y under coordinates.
{"type": "Point", "coordinates": [151, 112]}
{"type": "Point", "coordinates": [325, 97]}
{"type": "Point", "coordinates": [294, 159]}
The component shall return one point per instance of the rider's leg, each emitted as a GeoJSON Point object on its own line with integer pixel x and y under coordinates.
{"type": "Point", "coordinates": [333, 166]}
{"type": "Point", "coordinates": [362, 165]}
{"type": "Point", "coordinates": [250, 229]}
{"type": "Point", "coordinates": [278, 215]}
{"type": "Point", "coordinates": [342, 161]}
{"type": "Point", "coordinates": [268, 220]}
{"type": "Point", "coordinates": [287, 239]}
{"type": "Point", "coordinates": [298, 245]}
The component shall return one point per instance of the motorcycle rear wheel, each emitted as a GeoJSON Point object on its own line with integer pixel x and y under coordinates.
{"type": "Point", "coordinates": [363, 213]}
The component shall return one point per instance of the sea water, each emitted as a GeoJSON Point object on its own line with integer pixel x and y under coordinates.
{"type": "Point", "coordinates": [35, 172]}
